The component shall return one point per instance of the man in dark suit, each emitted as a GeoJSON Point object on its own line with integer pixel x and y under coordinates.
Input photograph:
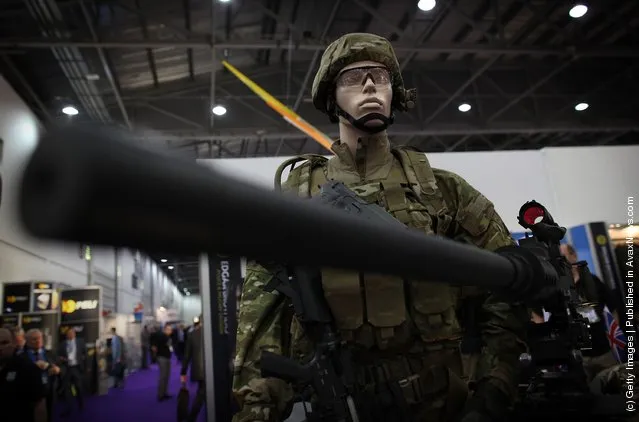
{"type": "Point", "coordinates": [194, 357]}
{"type": "Point", "coordinates": [118, 359]}
{"type": "Point", "coordinates": [20, 340]}
{"type": "Point", "coordinates": [22, 395]}
{"type": "Point", "coordinates": [72, 355]}
{"type": "Point", "coordinates": [163, 349]}
{"type": "Point", "coordinates": [34, 351]}
{"type": "Point", "coordinates": [145, 343]}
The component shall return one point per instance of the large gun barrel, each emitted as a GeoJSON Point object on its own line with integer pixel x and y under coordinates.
{"type": "Point", "coordinates": [97, 186]}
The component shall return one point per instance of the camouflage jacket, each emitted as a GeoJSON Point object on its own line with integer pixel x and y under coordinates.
{"type": "Point", "coordinates": [467, 217]}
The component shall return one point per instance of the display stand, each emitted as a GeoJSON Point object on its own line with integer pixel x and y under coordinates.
{"type": "Point", "coordinates": [81, 309]}
{"type": "Point", "coordinates": [47, 322]}
{"type": "Point", "coordinates": [219, 278]}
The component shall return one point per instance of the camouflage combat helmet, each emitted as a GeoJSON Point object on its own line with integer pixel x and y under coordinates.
{"type": "Point", "coordinates": [352, 48]}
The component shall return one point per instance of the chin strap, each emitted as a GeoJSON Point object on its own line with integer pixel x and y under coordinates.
{"type": "Point", "coordinates": [361, 122]}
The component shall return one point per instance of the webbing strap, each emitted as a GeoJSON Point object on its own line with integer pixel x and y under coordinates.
{"type": "Point", "coordinates": [421, 178]}
{"type": "Point", "coordinates": [396, 201]}
{"type": "Point", "coordinates": [298, 176]}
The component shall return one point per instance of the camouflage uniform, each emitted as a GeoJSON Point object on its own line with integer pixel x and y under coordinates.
{"type": "Point", "coordinates": [406, 331]}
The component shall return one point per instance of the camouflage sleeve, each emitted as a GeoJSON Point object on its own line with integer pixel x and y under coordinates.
{"type": "Point", "coordinates": [503, 325]}
{"type": "Point", "coordinates": [260, 327]}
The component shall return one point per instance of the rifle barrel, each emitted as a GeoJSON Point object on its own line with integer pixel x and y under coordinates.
{"type": "Point", "coordinates": [96, 186]}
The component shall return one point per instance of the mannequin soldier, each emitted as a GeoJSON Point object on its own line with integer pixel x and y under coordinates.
{"type": "Point", "coordinates": [407, 333]}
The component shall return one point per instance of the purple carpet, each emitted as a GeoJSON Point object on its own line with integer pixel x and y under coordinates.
{"type": "Point", "coordinates": [137, 401]}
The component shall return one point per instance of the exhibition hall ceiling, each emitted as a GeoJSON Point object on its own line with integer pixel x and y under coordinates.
{"type": "Point", "coordinates": [490, 74]}
{"type": "Point", "coordinates": [528, 73]}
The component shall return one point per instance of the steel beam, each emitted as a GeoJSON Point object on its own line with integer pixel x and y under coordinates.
{"type": "Point", "coordinates": [213, 67]}
{"type": "Point", "coordinates": [105, 66]}
{"type": "Point", "coordinates": [316, 56]}
{"type": "Point", "coordinates": [399, 131]}
{"type": "Point", "coordinates": [433, 47]}
{"type": "Point", "coordinates": [530, 90]}
{"type": "Point", "coordinates": [378, 16]}
{"type": "Point", "coordinates": [426, 34]}
{"type": "Point", "coordinates": [28, 88]}
{"type": "Point", "coordinates": [311, 67]}
{"type": "Point", "coordinates": [172, 115]}
{"type": "Point", "coordinates": [276, 17]}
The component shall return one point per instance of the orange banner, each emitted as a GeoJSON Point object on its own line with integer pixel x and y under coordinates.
{"type": "Point", "coordinates": [289, 115]}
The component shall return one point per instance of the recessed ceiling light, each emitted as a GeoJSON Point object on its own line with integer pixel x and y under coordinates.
{"type": "Point", "coordinates": [163, 260]}
{"type": "Point", "coordinates": [464, 107]}
{"type": "Point", "coordinates": [581, 106]}
{"type": "Point", "coordinates": [426, 5]}
{"type": "Point", "coordinates": [578, 11]}
{"type": "Point", "coordinates": [170, 267]}
{"type": "Point", "coordinates": [70, 111]}
{"type": "Point", "coordinates": [219, 110]}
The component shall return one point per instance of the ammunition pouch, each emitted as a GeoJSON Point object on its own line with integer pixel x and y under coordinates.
{"type": "Point", "coordinates": [433, 393]}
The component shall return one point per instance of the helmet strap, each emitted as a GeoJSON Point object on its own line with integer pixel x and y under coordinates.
{"type": "Point", "coordinates": [360, 123]}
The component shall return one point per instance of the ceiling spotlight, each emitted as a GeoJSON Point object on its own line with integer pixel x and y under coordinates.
{"type": "Point", "coordinates": [578, 11]}
{"type": "Point", "coordinates": [224, 1]}
{"type": "Point", "coordinates": [581, 106]}
{"type": "Point", "coordinates": [464, 107]}
{"type": "Point", "coordinates": [70, 111]}
{"type": "Point", "coordinates": [219, 110]}
{"type": "Point", "coordinates": [163, 260]}
{"type": "Point", "coordinates": [187, 293]}
{"type": "Point", "coordinates": [170, 267]}
{"type": "Point", "coordinates": [426, 5]}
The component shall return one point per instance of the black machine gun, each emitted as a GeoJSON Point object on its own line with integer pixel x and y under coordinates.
{"type": "Point", "coordinates": [553, 378]}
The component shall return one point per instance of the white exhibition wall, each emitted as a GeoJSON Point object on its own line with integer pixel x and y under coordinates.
{"type": "Point", "coordinates": [577, 185]}
{"type": "Point", "coordinates": [593, 184]}
{"type": "Point", "coordinates": [25, 258]}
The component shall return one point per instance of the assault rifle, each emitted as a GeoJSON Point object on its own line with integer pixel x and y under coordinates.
{"type": "Point", "coordinates": [328, 376]}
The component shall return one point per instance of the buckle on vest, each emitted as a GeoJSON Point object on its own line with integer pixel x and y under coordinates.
{"type": "Point", "coordinates": [395, 196]}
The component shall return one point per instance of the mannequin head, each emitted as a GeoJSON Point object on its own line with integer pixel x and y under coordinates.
{"type": "Point", "coordinates": [359, 85]}
{"type": "Point", "coordinates": [364, 91]}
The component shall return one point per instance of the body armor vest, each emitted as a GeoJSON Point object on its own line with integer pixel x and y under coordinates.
{"type": "Point", "coordinates": [382, 312]}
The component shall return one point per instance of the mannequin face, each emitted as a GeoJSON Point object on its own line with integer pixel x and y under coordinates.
{"type": "Point", "coordinates": [362, 88]}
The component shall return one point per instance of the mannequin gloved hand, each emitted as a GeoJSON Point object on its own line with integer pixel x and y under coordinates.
{"type": "Point", "coordinates": [487, 404]}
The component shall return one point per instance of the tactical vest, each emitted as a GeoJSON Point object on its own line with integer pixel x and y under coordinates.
{"type": "Point", "coordinates": [382, 311]}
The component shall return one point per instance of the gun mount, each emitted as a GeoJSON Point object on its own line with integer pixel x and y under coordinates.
{"type": "Point", "coordinates": [553, 371]}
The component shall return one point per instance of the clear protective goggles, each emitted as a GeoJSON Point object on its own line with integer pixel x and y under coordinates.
{"type": "Point", "coordinates": [357, 76]}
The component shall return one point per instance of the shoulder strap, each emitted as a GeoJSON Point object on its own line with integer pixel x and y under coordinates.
{"type": "Point", "coordinates": [421, 178]}
{"type": "Point", "coordinates": [299, 177]}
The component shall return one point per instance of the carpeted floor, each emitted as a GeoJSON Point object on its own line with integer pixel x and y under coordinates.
{"type": "Point", "coordinates": [136, 401]}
